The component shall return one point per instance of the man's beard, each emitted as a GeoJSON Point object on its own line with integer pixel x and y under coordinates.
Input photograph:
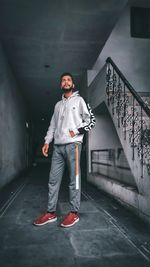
{"type": "Point", "coordinates": [65, 90]}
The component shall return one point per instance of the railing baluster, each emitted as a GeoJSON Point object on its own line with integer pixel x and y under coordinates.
{"type": "Point", "coordinates": [133, 125]}
{"type": "Point", "coordinates": [118, 102]}
{"type": "Point", "coordinates": [108, 83]}
{"type": "Point", "coordinates": [124, 110]}
{"type": "Point", "coordinates": [141, 141]}
{"type": "Point", "coordinates": [113, 92]}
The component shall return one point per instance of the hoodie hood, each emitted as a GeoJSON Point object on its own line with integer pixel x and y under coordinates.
{"type": "Point", "coordinates": [76, 93]}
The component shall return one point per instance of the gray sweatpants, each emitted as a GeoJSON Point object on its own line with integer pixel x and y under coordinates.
{"type": "Point", "coordinates": [65, 154]}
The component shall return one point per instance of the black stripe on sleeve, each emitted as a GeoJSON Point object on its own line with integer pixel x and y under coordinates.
{"type": "Point", "coordinates": [92, 122]}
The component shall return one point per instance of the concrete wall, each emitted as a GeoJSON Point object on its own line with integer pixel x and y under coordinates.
{"type": "Point", "coordinates": [130, 54]}
{"type": "Point", "coordinates": [13, 131]}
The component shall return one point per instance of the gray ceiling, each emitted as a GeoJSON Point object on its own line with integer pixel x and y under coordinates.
{"type": "Point", "coordinates": [66, 35]}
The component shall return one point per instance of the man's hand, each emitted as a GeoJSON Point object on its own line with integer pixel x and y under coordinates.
{"type": "Point", "coordinates": [72, 134]}
{"type": "Point", "coordinates": [45, 149]}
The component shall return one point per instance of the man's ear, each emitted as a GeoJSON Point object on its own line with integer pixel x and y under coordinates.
{"type": "Point", "coordinates": [73, 85]}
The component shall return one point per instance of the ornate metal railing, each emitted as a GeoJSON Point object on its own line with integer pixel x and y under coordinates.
{"type": "Point", "coordinates": [132, 114]}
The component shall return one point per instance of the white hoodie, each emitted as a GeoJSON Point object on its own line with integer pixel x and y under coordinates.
{"type": "Point", "coordinates": [70, 114]}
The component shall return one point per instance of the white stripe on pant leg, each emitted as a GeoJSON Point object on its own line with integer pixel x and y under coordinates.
{"type": "Point", "coordinates": [77, 181]}
{"type": "Point", "coordinates": [77, 167]}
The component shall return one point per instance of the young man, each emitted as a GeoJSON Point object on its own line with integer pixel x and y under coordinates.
{"type": "Point", "coordinates": [71, 119]}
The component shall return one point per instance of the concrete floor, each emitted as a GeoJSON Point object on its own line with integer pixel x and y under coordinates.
{"type": "Point", "coordinates": [107, 235]}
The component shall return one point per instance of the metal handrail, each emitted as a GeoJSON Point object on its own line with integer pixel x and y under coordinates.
{"type": "Point", "coordinates": [129, 86]}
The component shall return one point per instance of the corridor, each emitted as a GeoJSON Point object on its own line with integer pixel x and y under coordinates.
{"type": "Point", "coordinates": [104, 47]}
{"type": "Point", "coordinates": [107, 235]}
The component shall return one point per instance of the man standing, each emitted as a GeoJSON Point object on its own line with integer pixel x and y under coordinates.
{"type": "Point", "coordinates": [72, 117]}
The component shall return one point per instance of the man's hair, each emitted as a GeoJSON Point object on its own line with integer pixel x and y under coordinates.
{"type": "Point", "coordinates": [66, 74]}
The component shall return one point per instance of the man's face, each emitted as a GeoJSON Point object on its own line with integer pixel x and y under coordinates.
{"type": "Point", "coordinates": [67, 83]}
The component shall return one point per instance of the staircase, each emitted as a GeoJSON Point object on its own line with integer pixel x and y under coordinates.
{"type": "Point", "coordinates": [130, 114]}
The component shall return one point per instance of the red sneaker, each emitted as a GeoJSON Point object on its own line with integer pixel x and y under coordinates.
{"type": "Point", "coordinates": [70, 220]}
{"type": "Point", "coordinates": [47, 217]}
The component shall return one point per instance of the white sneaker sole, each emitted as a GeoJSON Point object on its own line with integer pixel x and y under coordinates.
{"type": "Point", "coordinates": [69, 225]}
{"type": "Point", "coordinates": [49, 221]}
